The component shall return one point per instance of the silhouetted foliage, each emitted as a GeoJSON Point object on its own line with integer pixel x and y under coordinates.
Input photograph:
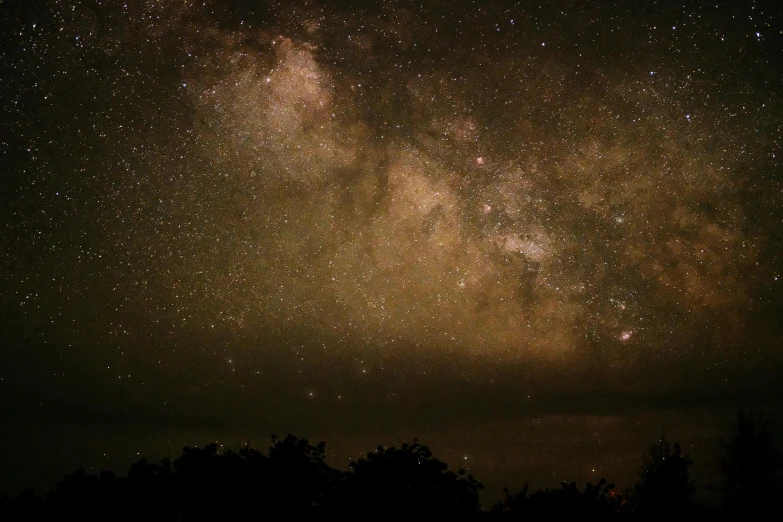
{"type": "Point", "coordinates": [751, 466]}
{"type": "Point", "coordinates": [408, 481]}
{"type": "Point", "coordinates": [302, 479]}
{"type": "Point", "coordinates": [27, 506]}
{"type": "Point", "coordinates": [665, 488]}
{"type": "Point", "coordinates": [151, 490]}
{"type": "Point", "coordinates": [595, 501]}
{"type": "Point", "coordinates": [293, 481]}
{"type": "Point", "coordinates": [201, 484]}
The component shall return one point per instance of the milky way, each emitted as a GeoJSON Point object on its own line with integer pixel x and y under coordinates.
{"type": "Point", "coordinates": [396, 208]}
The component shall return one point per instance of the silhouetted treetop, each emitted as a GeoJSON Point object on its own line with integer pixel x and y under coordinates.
{"type": "Point", "coordinates": [751, 465]}
{"type": "Point", "coordinates": [292, 480]}
{"type": "Point", "coordinates": [407, 481]}
{"type": "Point", "coordinates": [595, 501]}
{"type": "Point", "coordinates": [664, 487]}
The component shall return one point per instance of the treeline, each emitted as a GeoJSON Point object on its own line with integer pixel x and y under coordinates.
{"type": "Point", "coordinates": [292, 479]}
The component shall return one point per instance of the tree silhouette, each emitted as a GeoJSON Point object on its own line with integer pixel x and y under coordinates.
{"type": "Point", "coordinates": [408, 481]}
{"type": "Point", "coordinates": [301, 480]}
{"type": "Point", "coordinates": [664, 489]}
{"type": "Point", "coordinates": [751, 466]}
{"type": "Point", "coordinates": [595, 501]}
{"type": "Point", "coordinates": [27, 506]}
{"type": "Point", "coordinates": [206, 483]}
{"type": "Point", "coordinates": [150, 491]}
{"type": "Point", "coordinates": [86, 496]}
{"type": "Point", "coordinates": [292, 481]}
{"type": "Point", "coordinates": [211, 484]}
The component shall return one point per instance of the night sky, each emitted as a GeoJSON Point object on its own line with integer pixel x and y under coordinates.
{"type": "Point", "coordinates": [532, 234]}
